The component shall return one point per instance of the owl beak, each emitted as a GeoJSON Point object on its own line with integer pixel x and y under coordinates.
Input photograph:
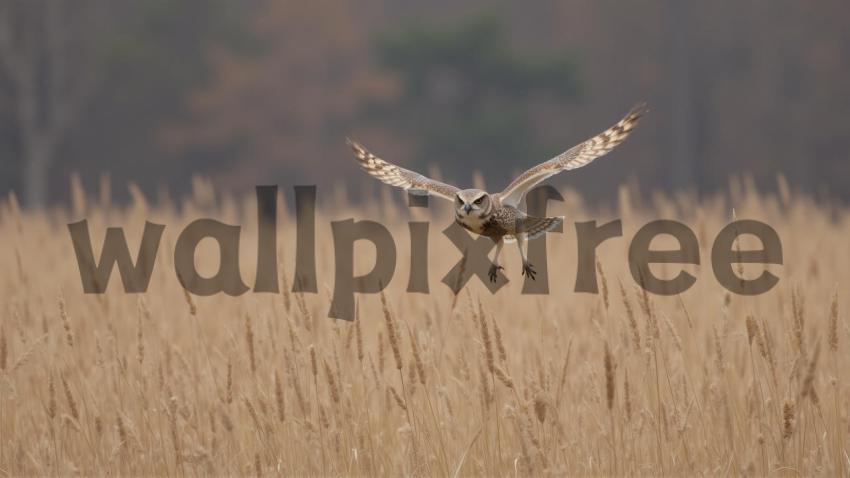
{"type": "Point", "coordinates": [467, 208]}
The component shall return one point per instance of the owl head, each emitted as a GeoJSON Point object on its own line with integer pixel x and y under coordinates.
{"type": "Point", "coordinates": [471, 201]}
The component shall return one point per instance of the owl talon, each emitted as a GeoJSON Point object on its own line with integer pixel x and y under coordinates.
{"type": "Point", "coordinates": [494, 272]}
{"type": "Point", "coordinates": [528, 269]}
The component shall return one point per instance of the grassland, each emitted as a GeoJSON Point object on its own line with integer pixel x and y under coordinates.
{"type": "Point", "coordinates": [616, 383]}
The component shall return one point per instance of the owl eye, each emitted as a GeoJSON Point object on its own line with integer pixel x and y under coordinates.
{"type": "Point", "coordinates": [479, 200]}
{"type": "Point", "coordinates": [458, 200]}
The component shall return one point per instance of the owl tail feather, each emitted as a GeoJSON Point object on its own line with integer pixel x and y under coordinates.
{"type": "Point", "coordinates": [537, 226]}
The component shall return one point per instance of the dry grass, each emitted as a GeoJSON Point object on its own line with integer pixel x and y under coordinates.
{"type": "Point", "coordinates": [499, 385]}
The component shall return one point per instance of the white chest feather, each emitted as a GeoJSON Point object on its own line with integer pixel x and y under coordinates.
{"type": "Point", "coordinates": [473, 222]}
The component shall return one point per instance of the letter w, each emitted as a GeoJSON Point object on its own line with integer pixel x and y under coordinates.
{"type": "Point", "coordinates": [95, 277]}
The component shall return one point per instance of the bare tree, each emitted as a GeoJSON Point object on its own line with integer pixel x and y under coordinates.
{"type": "Point", "coordinates": [49, 57]}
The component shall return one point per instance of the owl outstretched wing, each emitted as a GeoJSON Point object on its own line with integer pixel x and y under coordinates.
{"type": "Point", "coordinates": [573, 158]}
{"type": "Point", "coordinates": [393, 175]}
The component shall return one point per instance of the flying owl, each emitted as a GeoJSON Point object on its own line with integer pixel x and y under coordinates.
{"type": "Point", "coordinates": [498, 216]}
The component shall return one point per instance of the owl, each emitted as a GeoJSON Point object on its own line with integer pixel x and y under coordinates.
{"type": "Point", "coordinates": [497, 215]}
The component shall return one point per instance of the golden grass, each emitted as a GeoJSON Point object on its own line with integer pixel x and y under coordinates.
{"type": "Point", "coordinates": [619, 383]}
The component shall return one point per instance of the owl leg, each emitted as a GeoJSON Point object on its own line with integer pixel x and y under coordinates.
{"type": "Point", "coordinates": [495, 267]}
{"type": "Point", "coordinates": [527, 269]}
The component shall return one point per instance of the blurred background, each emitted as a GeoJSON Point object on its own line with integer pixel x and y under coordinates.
{"type": "Point", "coordinates": [264, 92]}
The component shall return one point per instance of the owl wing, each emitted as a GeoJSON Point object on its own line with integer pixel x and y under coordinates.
{"type": "Point", "coordinates": [573, 158]}
{"type": "Point", "coordinates": [397, 176]}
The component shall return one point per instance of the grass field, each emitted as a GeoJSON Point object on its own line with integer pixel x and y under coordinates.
{"type": "Point", "coordinates": [616, 383]}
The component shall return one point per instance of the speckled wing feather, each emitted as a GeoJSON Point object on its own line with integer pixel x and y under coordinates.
{"type": "Point", "coordinates": [393, 175]}
{"type": "Point", "coordinates": [573, 158]}
{"type": "Point", "coordinates": [537, 226]}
